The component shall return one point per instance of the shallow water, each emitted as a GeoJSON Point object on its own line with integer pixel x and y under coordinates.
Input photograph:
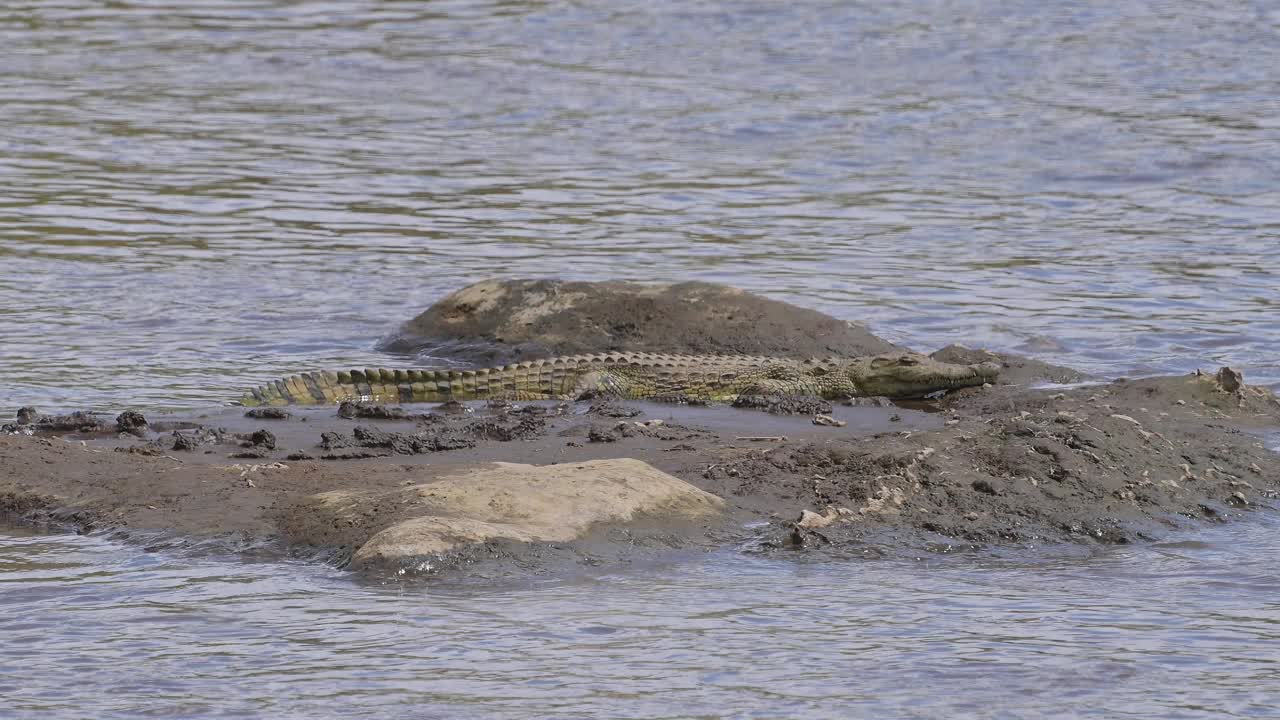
{"type": "Point", "coordinates": [1186, 628]}
{"type": "Point", "coordinates": [195, 197]}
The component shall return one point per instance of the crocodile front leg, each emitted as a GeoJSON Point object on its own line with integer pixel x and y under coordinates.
{"type": "Point", "coordinates": [602, 383]}
{"type": "Point", "coordinates": [770, 387]}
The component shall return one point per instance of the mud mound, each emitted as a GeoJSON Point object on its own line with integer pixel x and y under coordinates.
{"type": "Point", "coordinates": [540, 318]}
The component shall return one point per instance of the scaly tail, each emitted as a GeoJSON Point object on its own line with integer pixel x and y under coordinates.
{"type": "Point", "coordinates": [396, 386]}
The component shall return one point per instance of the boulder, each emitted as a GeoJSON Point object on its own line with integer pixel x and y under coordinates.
{"type": "Point", "coordinates": [539, 318]}
{"type": "Point", "coordinates": [419, 523]}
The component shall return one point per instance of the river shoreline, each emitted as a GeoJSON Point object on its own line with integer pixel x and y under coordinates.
{"type": "Point", "coordinates": [1096, 464]}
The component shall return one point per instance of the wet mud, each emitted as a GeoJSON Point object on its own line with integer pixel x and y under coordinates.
{"type": "Point", "coordinates": [1101, 463]}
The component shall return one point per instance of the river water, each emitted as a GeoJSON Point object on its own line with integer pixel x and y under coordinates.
{"type": "Point", "coordinates": [1185, 628]}
{"type": "Point", "coordinates": [195, 197]}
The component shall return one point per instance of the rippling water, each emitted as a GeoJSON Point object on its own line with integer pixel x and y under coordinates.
{"type": "Point", "coordinates": [1180, 629]}
{"type": "Point", "coordinates": [197, 196]}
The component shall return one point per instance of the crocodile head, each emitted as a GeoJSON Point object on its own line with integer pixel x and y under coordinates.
{"type": "Point", "coordinates": [912, 375]}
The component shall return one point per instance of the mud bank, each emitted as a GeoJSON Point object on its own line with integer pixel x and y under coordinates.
{"type": "Point", "coordinates": [1095, 463]}
{"type": "Point", "coordinates": [1045, 456]}
{"type": "Point", "coordinates": [245, 479]}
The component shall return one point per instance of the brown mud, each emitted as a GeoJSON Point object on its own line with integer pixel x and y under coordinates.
{"type": "Point", "coordinates": [1045, 456]}
{"type": "Point", "coordinates": [1097, 463]}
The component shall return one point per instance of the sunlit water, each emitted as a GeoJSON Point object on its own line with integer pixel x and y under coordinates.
{"type": "Point", "coordinates": [195, 197]}
{"type": "Point", "coordinates": [1188, 628]}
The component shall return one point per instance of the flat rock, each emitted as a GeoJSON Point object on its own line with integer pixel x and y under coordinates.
{"type": "Point", "coordinates": [416, 524]}
{"type": "Point", "coordinates": [540, 318]}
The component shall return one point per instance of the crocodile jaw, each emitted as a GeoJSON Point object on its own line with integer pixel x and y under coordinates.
{"type": "Point", "coordinates": [911, 375]}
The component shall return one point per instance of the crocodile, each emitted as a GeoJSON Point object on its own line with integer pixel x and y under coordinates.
{"type": "Point", "coordinates": [635, 376]}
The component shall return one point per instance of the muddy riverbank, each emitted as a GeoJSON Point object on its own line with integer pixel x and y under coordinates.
{"type": "Point", "coordinates": [1094, 463]}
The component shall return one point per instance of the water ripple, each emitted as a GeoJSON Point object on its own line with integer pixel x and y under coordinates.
{"type": "Point", "coordinates": [1185, 628]}
{"type": "Point", "coordinates": [200, 196]}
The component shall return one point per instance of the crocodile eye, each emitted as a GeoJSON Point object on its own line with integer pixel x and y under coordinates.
{"type": "Point", "coordinates": [908, 360]}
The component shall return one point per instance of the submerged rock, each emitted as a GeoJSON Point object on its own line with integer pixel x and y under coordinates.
{"type": "Point", "coordinates": [538, 318]}
{"type": "Point", "coordinates": [425, 441]}
{"type": "Point", "coordinates": [373, 411]}
{"type": "Point", "coordinates": [264, 439]}
{"type": "Point", "coordinates": [185, 442]}
{"type": "Point", "coordinates": [599, 434]}
{"type": "Point", "coordinates": [268, 413]}
{"type": "Point", "coordinates": [131, 422]}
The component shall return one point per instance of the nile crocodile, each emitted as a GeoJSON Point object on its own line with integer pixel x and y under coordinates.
{"type": "Point", "coordinates": [635, 376]}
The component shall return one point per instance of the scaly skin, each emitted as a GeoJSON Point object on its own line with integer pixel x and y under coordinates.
{"type": "Point", "coordinates": [635, 376]}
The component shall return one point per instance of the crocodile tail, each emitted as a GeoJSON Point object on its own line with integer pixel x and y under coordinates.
{"type": "Point", "coordinates": [371, 385]}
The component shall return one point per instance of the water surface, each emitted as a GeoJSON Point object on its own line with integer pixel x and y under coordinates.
{"type": "Point", "coordinates": [1185, 628]}
{"type": "Point", "coordinates": [195, 197]}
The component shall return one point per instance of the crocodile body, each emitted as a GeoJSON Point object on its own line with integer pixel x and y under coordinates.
{"type": "Point", "coordinates": [636, 376]}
